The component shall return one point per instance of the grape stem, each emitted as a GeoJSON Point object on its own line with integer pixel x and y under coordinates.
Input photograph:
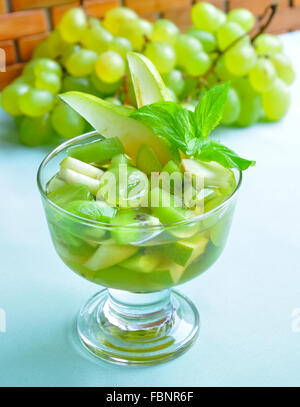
{"type": "Point", "coordinates": [273, 7]}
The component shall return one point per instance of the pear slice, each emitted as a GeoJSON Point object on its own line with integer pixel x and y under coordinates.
{"type": "Point", "coordinates": [113, 121]}
{"type": "Point", "coordinates": [147, 82]}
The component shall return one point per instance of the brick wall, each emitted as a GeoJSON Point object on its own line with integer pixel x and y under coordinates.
{"type": "Point", "coordinates": [25, 23]}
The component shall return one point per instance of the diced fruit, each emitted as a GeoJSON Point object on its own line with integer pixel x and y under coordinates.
{"type": "Point", "coordinates": [148, 84]}
{"type": "Point", "coordinates": [97, 151]}
{"type": "Point", "coordinates": [94, 210]}
{"type": "Point", "coordinates": [119, 159]}
{"type": "Point", "coordinates": [111, 120]}
{"type": "Point", "coordinates": [142, 262]}
{"type": "Point", "coordinates": [109, 255]}
{"type": "Point", "coordinates": [179, 252]}
{"type": "Point", "coordinates": [81, 167]}
{"type": "Point", "coordinates": [163, 207]}
{"type": "Point", "coordinates": [174, 270]}
{"type": "Point", "coordinates": [68, 193]}
{"type": "Point", "coordinates": [54, 184]}
{"type": "Point", "coordinates": [209, 174]}
{"type": "Point", "coordinates": [134, 227]}
{"type": "Point", "coordinates": [146, 160]}
{"type": "Point", "coordinates": [73, 177]}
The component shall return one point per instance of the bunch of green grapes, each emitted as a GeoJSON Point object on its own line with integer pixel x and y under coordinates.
{"type": "Point", "coordinates": [88, 55]}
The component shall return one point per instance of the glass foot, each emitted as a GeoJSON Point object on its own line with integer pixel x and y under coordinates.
{"type": "Point", "coordinates": [138, 329]}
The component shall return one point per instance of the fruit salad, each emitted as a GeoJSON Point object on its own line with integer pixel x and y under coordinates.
{"type": "Point", "coordinates": [146, 203]}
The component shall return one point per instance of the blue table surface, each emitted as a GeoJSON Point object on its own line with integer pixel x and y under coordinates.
{"type": "Point", "coordinates": [248, 301]}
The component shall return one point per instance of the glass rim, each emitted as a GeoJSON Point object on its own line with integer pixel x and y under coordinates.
{"type": "Point", "coordinates": [92, 222]}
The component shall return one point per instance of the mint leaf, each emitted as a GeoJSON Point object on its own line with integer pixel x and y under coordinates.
{"type": "Point", "coordinates": [211, 150]}
{"type": "Point", "coordinates": [170, 121]}
{"type": "Point", "coordinates": [208, 112]}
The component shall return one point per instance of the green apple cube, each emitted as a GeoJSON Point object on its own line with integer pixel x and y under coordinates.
{"type": "Point", "coordinates": [171, 167]}
{"type": "Point", "coordinates": [147, 82]}
{"type": "Point", "coordinates": [179, 252]}
{"type": "Point", "coordinates": [97, 151]}
{"type": "Point", "coordinates": [94, 210]}
{"type": "Point", "coordinates": [119, 159]}
{"type": "Point", "coordinates": [147, 161]}
{"type": "Point", "coordinates": [55, 183]}
{"type": "Point", "coordinates": [165, 209]}
{"type": "Point", "coordinates": [81, 167]}
{"type": "Point", "coordinates": [109, 255]}
{"type": "Point", "coordinates": [68, 193]}
{"type": "Point", "coordinates": [73, 177]}
{"type": "Point", "coordinates": [142, 262]}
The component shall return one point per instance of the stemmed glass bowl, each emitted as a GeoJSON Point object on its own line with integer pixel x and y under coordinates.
{"type": "Point", "coordinates": [137, 319]}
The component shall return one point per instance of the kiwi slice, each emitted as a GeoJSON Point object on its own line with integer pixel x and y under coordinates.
{"type": "Point", "coordinates": [96, 151]}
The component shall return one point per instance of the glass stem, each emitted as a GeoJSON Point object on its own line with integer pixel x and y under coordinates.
{"type": "Point", "coordinates": [139, 311]}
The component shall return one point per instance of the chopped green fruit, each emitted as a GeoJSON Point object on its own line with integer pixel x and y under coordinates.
{"type": "Point", "coordinates": [109, 255]}
{"type": "Point", "coordinates": [94, 210]}
{"type": "Point", "coordinates": [97, 151]}
{"type": "Point", "coordinates": [174, 270]}
{"type": "Point", "coordinates": [111, 120]}
{"type": "Point", "coordinates": [73, 177]}
{"type": "Point", "coordinates": [81, 167]}
{"type": "Point", "coordinates": [137, 231]}
{"type": "Point", "coordinates": [147, 161]}
{"type": "Point", "coordinates": [120, 159]}
{"type": "Point", "coordinates": [163, 207]}
{"type": "Point", "coordinates": [54, 184]}
{"type": "Point", "coordinates": [209, 174]}
{"type": "Point", "coordinates": [68, 193]}
{"type": "Point", "coordinates": [171, 167]}
{"type": "Point", "coordinates": [142, 262]}
{"type": "Point", "coordinates": [179, 252]}
{"type": "Point", "coordinates": [148, 84]}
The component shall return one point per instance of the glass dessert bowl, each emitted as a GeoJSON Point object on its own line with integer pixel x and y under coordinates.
{"type": "Point", "coordinates": [138, 319]}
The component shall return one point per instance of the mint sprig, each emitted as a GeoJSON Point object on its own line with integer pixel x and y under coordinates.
{"type": "Point", "coordinates": [189, 131]}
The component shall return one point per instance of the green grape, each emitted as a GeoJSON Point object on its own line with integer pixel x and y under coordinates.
{"type": "Point", "coordinates": [55, 44]}
{"type": "Point", "coordinates": [71, 83]}
{"type": "Point", "coordinates": [66, 121]}
{"type": "Point", "coordinates": [197, 64]}
{"type": "Point", "coordinates": [212, 80]}
{"type": "Point", "coordinates": [232, 107]}
{"type": "Point", "coordinates": [250, 107]}
{"type": "Point", "coordinates": [28, 69]}
{"type": "Point", "coordinates": [42, 51]}
{"type": "Point", "coordinates": [82, 62]}
{"type": "Point", "coordinates": [114, 101]}
{"type": "Point", "coordinates": [46, 65]}
{"type": "Point", "coordinates": [276, 101]}
{"type": "Point", "coordinates": [97, 39]}
{"type": "Point", "coordinates": [228, 33]}
{"type": "Point", "coordinates": [105, 89]}
{"type": "Point", "coordinates": [283, 67]}
{"type": "Point", "coordinates": [94, 22]}
{"type": "Point", "coordinates": [190, 86]}
{"type": "Point", "coordinates": [48, 81]}
{"type": "Point", "coordinates": [240, 59]}
{"type": "Point", "coordinates": [10, 97]}
{"type": "Point", "coordinates": [262, 75]}
{"type": "Point", "coordinates": [243, 17]}
{"type": "Point", "coordinates": [221, 70]}
{"type": "Point", "coordinates": [110, 67]}
{"type": "Point", "coordinates": [36, 102]}
{"type": "Point", "coordinates": [164, 31]}
{"type": "Point", "coordinates": [121, 46]}
{"type": "Point", "coordinates": [208, 40]}
{"type": "Point", "coordinates": [174, 81]}
{"type": "Point", "coordinates": [186, 45]}
{"type": "Point", "coordinates": [68, 51]}
{"type": "Point", "coordinates": [136, 31]}
{"type": "Point", "coordinates": [207, 17]}
{"type": "Point", "coordinates": [35, 131]}
{"type": "Point", "coordinates": [267, 43]}
{"type": "Point", "coordinates": [72, 25]}
{"type": "Point", "coordinates": [116, 17]}
{"type": "Point", "coordinates": [162, 55]}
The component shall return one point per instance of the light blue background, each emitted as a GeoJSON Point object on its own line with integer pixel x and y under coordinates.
{"type": "Point", "coordinates": [245, 301]}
